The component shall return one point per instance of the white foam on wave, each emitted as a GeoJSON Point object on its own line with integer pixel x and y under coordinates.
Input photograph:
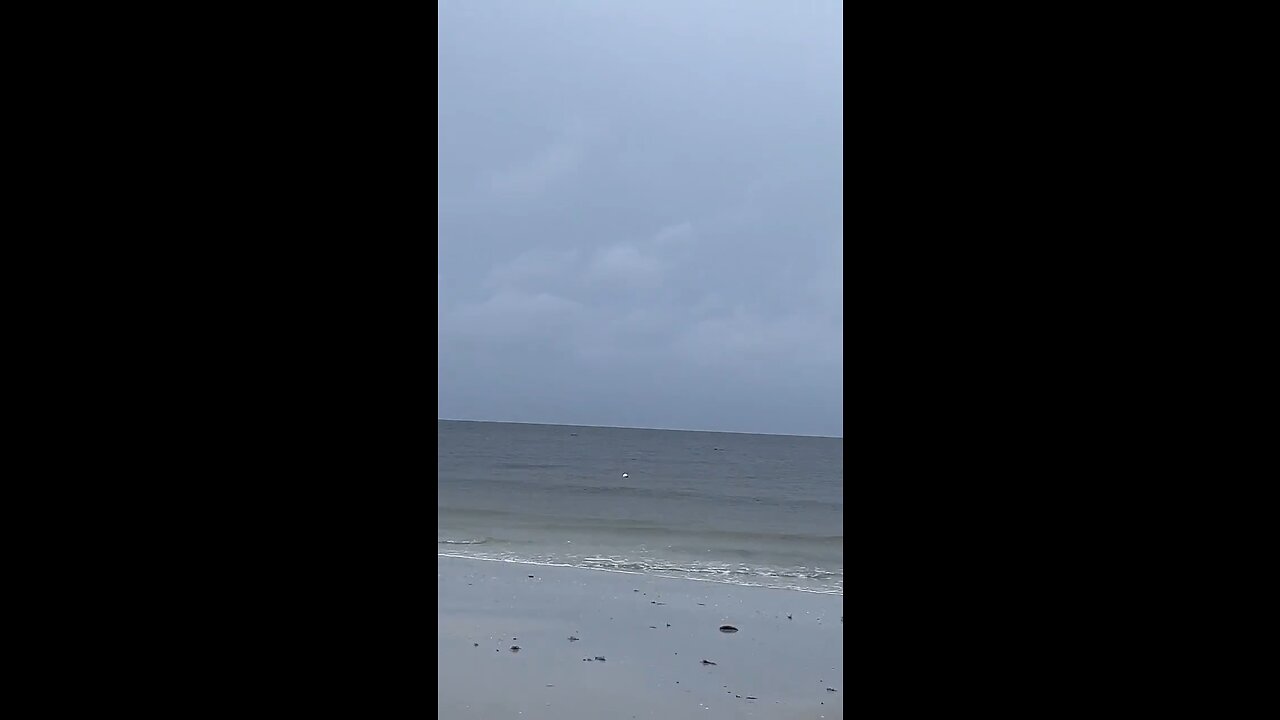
{"type": "Point", "coordinates": [651, 572]}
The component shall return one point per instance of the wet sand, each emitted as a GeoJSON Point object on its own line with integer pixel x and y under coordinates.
{"type": "Point", "coordinates": [653, 634]}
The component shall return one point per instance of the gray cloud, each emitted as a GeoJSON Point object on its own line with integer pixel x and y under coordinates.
{"type": "Point", "coordinates": [640, 214]}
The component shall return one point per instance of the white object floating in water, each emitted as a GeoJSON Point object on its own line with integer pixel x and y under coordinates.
{"type": "Point", "coordinates": [624, 475]}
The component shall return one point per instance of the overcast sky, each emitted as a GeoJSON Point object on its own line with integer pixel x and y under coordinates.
{"type": "Point", "coordinates": [640, 213]}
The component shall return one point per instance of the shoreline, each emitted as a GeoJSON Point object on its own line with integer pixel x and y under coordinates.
{"type": "Point", "coordinates": [536, 563]}
{"type": "Point", "coordinates": [785, 659]}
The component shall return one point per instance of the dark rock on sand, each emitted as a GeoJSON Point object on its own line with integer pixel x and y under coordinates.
{"type": "Point", "coordinates": [707, 662]}
{"type": "Point", "coordinates": [572, 638]}
{"type": "Point", "coordinates": [728, 629]}
{"type": "Point", "coordinates": [831, 689]}
{"type": "Point", "coordinates": [476, 644]}
{"type": "Point", "coordinates": [752, 697]}
{"type": "Point", "coordinates": [515, 648]}
{"type": "Point", "coordinates": [600, 658]}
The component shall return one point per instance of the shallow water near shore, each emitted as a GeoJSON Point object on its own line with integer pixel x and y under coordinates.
{"type": "Point", "coordinates": [748, 510]}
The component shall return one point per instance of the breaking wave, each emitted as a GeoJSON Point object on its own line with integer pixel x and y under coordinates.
{"type": "Point", "coordinates": [802, 579]}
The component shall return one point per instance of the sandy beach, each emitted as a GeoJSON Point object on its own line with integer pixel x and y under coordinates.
{"type": "Point", "coordinates": [653, 635]}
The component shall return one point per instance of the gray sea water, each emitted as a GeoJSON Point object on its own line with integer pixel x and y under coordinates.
{"type": "Point", "coordinates": [763, 510]}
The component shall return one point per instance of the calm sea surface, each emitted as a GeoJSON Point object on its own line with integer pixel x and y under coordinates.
{"type": "Point", "coordinates": [746, 509]}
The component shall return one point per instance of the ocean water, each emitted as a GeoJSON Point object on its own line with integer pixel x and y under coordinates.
{"type": "Point", "coordinates": [764, 510]}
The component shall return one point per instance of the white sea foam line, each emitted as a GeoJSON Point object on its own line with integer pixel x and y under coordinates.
{"type": "Point", "coordinates": [636, 572]}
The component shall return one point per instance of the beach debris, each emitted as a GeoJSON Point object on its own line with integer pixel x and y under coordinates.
{"type": "Point", "coordinates": [831, 689]}
{"type": "Point", "coordinates": [530, 576]}
{"type": "Point", "coordinates": [788, 617]}
{"type": "Point", "coordinates": [515, 648]}
{"type": "Point", "coordinates": [476, 644]}
{"type": "Point", "coordinates": [653, 627]}
{"type": "Point", "coordinates": [586, 660]}
{"type": "Point", "coordinates": [752, 697]}
{"type": "Point", "coordinates": [600, 658]}
{"type": "Point", "coordinates": [572, 638]}
{"type": "Point", "coordinates": [728, 629]}
{"type": "Point", "coordinates": [668, 624]}
{"type": "Point", "coordinates": [702, 603]}
{"type": "Point", "coordinates": [625, 475]}
{"type": "Point", "coordinates": [707, 662]}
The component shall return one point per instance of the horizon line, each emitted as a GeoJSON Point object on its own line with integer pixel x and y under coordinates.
{"type": "Point", "coordinates": [634, 427]}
